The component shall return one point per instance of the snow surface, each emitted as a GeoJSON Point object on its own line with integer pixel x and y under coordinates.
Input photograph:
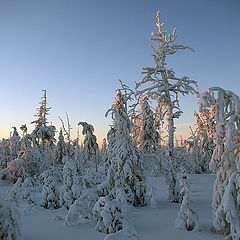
{"type": "Point", "coordinates": [150, 223]}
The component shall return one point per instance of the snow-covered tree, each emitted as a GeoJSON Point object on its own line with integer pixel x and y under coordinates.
{"type": "Point", "coordinates": [42, 111]}
{"type": "Point", "coordinates": [60, 151]}
{"type": "Point", "coordinates": [205, 129]}
{"type": "Point", "coordinates": [148, 134]}
{"type": "Point", "coordinates": [148, 138]}
{"type": "Point", "coordinates": [71, 189]}
{"type": "Point", "coordinates": [24, 129]}
{"type": "Point", "coordinates": [207, 150]}
{"type": "Point", "coordinates": [104, 153]}
{"type": "Point", "coordinates": [231, 202]}
{"type": "Point", "coordinates": [28, 190]}
{"type": "Point", "coordinates": [162, 86]}
{"type": "Point", "coordinates": [42, 132]}
{"type": "Point", "coordinates": [67, 134]}
{"type": "Point", "coordinates": [42, 135]}
{"type": "Point", "coordinates": [14, 144]}
{"type": "Point", "coordinates": [90, 151]}
{"type": "Point", "coordinates": [126, 170]}
{"type": "Point", "coordinates": [196, 157]}
{"type": "Point", "coordinates": [104, 149]}
{"type": "Point", "coordinates": [5, 155]}
{"type": "Point", "coordinates": [187, 216]}
{"type": "Point", "coordinates": [50, 191]}
{"type": "Point", "coordinates": [10, 227]}
{"type": "Point", "coordinates": [79, 162]}
{"type": "Point", "coordinates": [224, 160]}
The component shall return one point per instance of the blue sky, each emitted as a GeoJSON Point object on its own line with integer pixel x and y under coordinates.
{"type": "Point", "coordinates": [78, 50]}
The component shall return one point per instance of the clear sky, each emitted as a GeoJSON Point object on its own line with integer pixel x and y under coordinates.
{"type": "Point", "coordinates": [77, 50]}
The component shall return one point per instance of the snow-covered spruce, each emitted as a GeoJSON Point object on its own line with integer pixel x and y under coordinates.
{"type": "Point", "coordinates": [60, 151]}
{"type": "Point", "coordinates": [110, 217]}
{"type": "Point", "coordinates": [224, 159]}
{"type": "Point", "coordinates": [79, 162]}
{"type": "Point", "coordinates": [207, 150]}
{"type": "Point", "coordinates": [90, 151]}
{"type": "Point", "coordinates": [71, 189]}
{"type": "Point", "coordinates": [148, 138]}
{"type": "Point", "coordinates": [126, 171]}
{"type": "Point", "coordinates": [148, 134]}
{"type": "Point", "coordinates": [196, 157]}
{"type": "Point", "coordinates": [10, 227]}
{"type": "Point", "coordinates": [81, 209]}
{"type": "Point", "coordinates": [104, 155]}
{"type": "Point", "coordinates": [50, 190]}
{"type": "Point", "coordinates": [231, 202]}
{"type": "Point", "coordinates": [187, 217]}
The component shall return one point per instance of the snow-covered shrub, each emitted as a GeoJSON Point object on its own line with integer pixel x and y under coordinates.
{"type": "Point", "coordinates": [81, 209]}
{"type": "Point", "coordinates": [10, 228]}
{"type": "Point", "coordinates": [29, 188]}
{"type": "Point", "coordinates": [50, 191]}
{"type": "Point", "coordinates": [71, 188]}
{"type": "Point", "coordinates": [108, 215]}
{"type": "Point", "coordinates": [30, 162]}
{"type": "Point", "coordinates": [187, 216]}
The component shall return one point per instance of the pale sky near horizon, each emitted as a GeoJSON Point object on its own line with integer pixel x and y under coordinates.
{"type": "Point", "coordinates": [77, 51]}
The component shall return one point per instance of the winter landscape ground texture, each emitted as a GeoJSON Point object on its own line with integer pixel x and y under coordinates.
{"type": "Point", "coordinates": [151, 222]}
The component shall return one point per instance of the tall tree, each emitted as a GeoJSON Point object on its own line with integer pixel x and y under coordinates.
{"type": "Point", "coordinates": [225, 159]}
{"type": "Point", "coordinates": [162, 86]}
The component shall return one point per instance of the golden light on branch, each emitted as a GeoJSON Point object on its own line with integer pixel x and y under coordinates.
{"type": "Point", "coordinates": [162, 36]}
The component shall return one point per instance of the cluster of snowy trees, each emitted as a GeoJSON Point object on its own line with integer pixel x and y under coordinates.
{"type": "Point", "coordinates": [96, 185]}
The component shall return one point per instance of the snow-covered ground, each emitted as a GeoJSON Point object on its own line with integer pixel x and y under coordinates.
{"type": "Point", "coordinates": [151, 223]}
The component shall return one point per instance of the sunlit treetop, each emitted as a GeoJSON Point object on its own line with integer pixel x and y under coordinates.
{"type": "Point", "coordinates": [165, 43]}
